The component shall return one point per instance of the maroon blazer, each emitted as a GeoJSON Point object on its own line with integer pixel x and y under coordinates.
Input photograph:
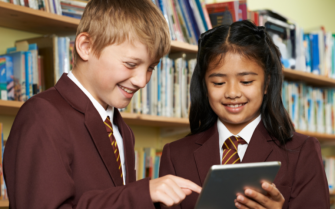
{"type": "Point", "coordinates": [58, 155]}
{"type": "Point", "coordinates": [301, 178]}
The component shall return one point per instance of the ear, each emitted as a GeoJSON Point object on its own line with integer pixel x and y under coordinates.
{"type": "Point", "coordinates": [83, 45]}
{"type": "Point", "coordinates": [267, 84]}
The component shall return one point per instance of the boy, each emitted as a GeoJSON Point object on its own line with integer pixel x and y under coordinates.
{"type": "Point", "coordinates": [69, 147]}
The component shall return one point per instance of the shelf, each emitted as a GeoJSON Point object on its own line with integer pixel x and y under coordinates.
{"type": "Point", "coordinates": [4, 203]}
{"type": "Point", "coordinates": [9, 107]}
{"type": "Point", "coordinates": [309, 78]}
{"type": "Point", "coordinates": [35, 21]}
{"type": "Point", "coordinates": [184, 47]}
{"type": "Point", "coordinates": [12, 107]}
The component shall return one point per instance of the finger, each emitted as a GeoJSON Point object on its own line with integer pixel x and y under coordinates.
{"type": "Point", "coordinates": [240, 206]}
{"type": "Point", "coordinates": [176, 188]}
{"type": "Point", "coordinates": [187, 184]}
{"type": "Point", "coordinates": [273, 192]}
{"type": "Point", "coordinates": [248, 203]}
{"type": "Point", "coordinates": [170, 190]}
{"type": "Point", "coordinates": [165, 199]}
{"type": "Point", "coordinates": [186, 191]}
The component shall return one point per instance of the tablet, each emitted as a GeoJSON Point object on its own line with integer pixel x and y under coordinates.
{"type": "Point", "coordinates": [224, 181]}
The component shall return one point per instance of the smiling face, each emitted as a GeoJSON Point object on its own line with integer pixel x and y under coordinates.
{"type": "Point", "coordinates": [235, 90]}
{"type": "Point", "coordinates": [114, 77]}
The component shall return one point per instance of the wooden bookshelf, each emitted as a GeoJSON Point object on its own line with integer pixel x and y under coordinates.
{"type": "Point", "coordinates": [12, 107]}
{"type": "Point", "coordinates": [4, 203]}
{"type": "Point", "coordinates": [35, 21]}
{"type": "Point", "coordinates": [309, 78]}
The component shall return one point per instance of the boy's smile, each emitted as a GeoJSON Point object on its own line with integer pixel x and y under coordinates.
{"type": "Point", "coordinates": [235, 90]}
{"type": "Point", "coordinates": [120, 71]}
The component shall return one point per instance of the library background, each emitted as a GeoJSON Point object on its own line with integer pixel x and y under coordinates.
{"type": "Point", "coordinates": [37, 38]}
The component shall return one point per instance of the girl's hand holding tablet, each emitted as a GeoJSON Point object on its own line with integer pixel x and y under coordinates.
{"type": "Point", "coordinates": [253, 199]}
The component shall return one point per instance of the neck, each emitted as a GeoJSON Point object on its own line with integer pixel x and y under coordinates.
{"type": "Point", "coordinates": [85, 82]}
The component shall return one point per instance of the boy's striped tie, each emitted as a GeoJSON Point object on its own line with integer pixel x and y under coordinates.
{"type": "Point", "coordinates": [230, 155]}
{"type": "Point", "coordinates": [111, 137]}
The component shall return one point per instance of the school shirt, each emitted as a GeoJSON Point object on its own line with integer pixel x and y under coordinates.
{"type": "Point", "coordinates": [104, 113]}
{"type": "Point", "coordinates": [246, 134]}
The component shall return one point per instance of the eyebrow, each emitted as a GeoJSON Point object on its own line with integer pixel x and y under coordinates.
{"type": "Point", "coordinates": [140, 60]}
{"type": "Point", "coordinates": [224, 75]}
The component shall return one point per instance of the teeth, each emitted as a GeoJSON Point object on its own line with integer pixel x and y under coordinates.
{"type": "Point", "coordinates": [126, 90]}
{"type": "Point", "coordinates": [237, 105]}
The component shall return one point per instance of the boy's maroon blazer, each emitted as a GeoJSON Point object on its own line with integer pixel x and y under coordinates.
{"type": "Point", "coordinates": [301, 178]}
{"type": "Point", "coordinates": [58, 155]}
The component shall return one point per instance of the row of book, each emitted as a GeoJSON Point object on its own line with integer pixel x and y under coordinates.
{"type": "Point", "coordinates": [188, 19]}
{"type": "Point", "coordinates": [71, 8]}
{"type": "Point", "coordinates": [167, 93]}
{"type": "Point", "coordinates": [312, 51]}
{"type": "Point", "coordinates": [3, 191]}
{"type": "Point", "coordinates": [147, 161]}
{"type": "Point", "coordinates": [310, 108]}
{"type": "Point", "coordinates": [22, 67]}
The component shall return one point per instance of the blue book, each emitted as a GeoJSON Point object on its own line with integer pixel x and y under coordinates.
{"type": "Point", "coordinates": [315, 54]}
{"type": "Point", "coordinates": [307, 53]}
{"type": "Point", "coordinates": [19, 77]}
{"type": "Point", "coordinates": [3, 79]}
{"type": "Point", "coordinates": [198, 3]}
{"type": "Point", "coordinates": [9, 76]}
{"type": "Point", "coordinates": [187, 21]}
{"type": "Point", "coordinates": [191, 18]}
{"type": "Point", "coordinates": [29, 74]}
{"type": "Point", "coordinates": [156, 167]}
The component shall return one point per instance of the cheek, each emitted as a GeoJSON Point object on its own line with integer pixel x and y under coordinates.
{"type": "Point", "coordinates": [255, 93]}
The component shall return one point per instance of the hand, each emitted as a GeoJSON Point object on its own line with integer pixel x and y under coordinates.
{"type": "Point", "coordinates": [171, 190]}
{"type": "Point", "coordinates": [274, 199]}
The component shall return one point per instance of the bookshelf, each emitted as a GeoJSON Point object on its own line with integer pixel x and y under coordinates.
{"type": "Point", "coordinates": [35, 21]}
{"type": "Point", "coordinates": [12, 107]}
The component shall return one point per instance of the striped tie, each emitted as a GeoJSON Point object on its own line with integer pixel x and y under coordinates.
{"type": "Point", "coordinates": [111, 137]}
{"type": "Point", "coordinates": [230, 155]}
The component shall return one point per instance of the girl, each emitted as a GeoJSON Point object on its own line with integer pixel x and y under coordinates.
{"type": "Point", "coordinates": [237, 115]}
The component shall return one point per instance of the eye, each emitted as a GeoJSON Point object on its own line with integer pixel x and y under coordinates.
{"type": "Point", "coordinates": [246, 82]}
{"type": "Point", "coordinates": [218, 84]}
{"type": "Point", "coordinates": [130, 65]}
{"type": "Point", "coordinates": [151, 69]}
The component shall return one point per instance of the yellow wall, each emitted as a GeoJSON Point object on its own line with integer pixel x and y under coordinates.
{"type": "Point", "coordinates": [9, 36]}
{"type": "Point", "coordinates": [306, 13]}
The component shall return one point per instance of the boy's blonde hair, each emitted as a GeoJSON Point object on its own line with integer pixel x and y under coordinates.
{"type": "Point", "coordinates": [115, 21]}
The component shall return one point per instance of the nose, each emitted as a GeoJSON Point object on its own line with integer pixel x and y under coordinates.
{"type": "Point", "coordinates": [232, 91]}
{"type": "Point", "coordinates": [139, 78]}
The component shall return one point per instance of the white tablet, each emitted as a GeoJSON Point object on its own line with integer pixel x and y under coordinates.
{"type": "Point", "coordinates": [224, 181]}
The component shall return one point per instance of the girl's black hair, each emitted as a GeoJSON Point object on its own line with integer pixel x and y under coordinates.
{"type": "Point", "coordinates": [251, 42]}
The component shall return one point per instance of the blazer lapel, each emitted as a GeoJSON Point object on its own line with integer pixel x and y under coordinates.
{"type": "Point", "coordinates": [79, 101]}
{"type": "Point", "coordinates": [99, 135]}
{"type": "Point", "coordinates": [128, 146]}
{"type": "Point", "coordinates": [259, 147]}
{"type": "Point", "coordinates": [208, 154]}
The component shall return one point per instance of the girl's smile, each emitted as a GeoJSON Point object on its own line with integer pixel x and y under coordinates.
{"type": "Point", "coordinates": [234, 107]}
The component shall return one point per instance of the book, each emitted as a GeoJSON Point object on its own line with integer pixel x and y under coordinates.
{"type": "Point", "coordinates": [222, 13]}
{"type": "Point", "coordinates": [6, 64]}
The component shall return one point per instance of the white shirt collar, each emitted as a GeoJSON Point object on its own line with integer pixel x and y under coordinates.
{"type": "Point", "coordinates": [246, 133]}
{"type": "Point", "coordinates": [102, 112]}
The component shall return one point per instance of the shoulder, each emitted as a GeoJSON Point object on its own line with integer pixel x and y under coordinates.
{"type": "Point", "coordinates": [301, 140]}
{"type": "Point", "coordinates": [45, 107]}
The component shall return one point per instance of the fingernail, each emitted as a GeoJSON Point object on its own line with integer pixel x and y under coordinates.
{"type": "Point", "coordinates": [237, 205]}
{"type": "Point", "coordinates": [240, 198]}
{"type": "Point", "coordinates": [248, 192]}
{"type": "Point", "coordinates": [266, 185]}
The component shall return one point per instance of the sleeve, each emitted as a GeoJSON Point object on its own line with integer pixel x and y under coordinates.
{"type": "Point", "coordinates": [310, 186]}
{"type": "Point", "coordinates": [38, 173]}
{"type": "Point", "coordinates": [166, 168]}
